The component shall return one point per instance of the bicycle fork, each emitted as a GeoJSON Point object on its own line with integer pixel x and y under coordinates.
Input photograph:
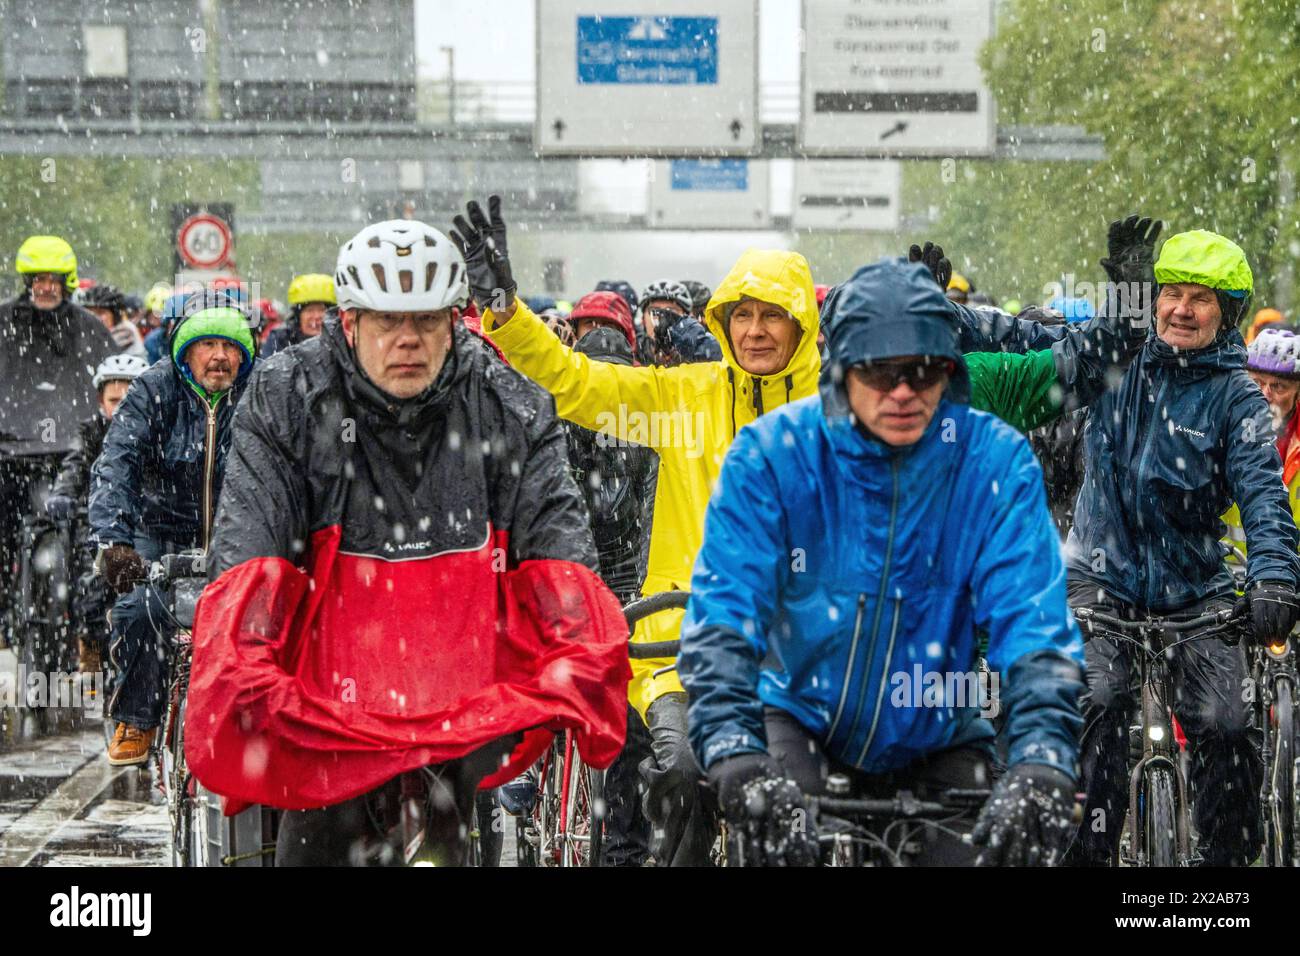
{"type": "Point", "coordinates": [1158, 749]}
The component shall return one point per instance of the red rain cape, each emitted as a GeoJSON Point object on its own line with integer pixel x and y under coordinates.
{"type": "Point", "coordinates": [306, 691]}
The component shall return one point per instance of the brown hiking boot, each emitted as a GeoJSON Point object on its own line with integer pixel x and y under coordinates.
{"type": "Point", "coordinates": [130, 745]}
{"type": "Point", "coordinates": [88, 656]}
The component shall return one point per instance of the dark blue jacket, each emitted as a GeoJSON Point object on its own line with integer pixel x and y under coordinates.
{"type": "Point", "coordinates": [837, 574]}
{"type": "Point", "coordinates": [148, 480]}
{"type": "Point", "coordinates": [1180, 438]}
{"type": "Point", "coordinates": [155, 345]}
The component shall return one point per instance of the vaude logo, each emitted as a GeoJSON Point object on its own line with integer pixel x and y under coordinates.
{"type": "Point", "coordinates": [103, 909]}
{"type": "Point", "coordinates": [1189, 431]}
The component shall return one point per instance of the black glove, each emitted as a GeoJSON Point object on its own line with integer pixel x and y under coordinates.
{"type": "Point", "coordinates": [665, 321]}
{"type": "Point", "coordinates": [932, 256]}
{"type": "Point", "coordinates": [769, 823]}
{"type": "Point", "coordinates": [1131, 250]}
{"type": "Point", "coordinates": [1273, 611]}
{"type": "Point", "coordinates": [483, 244]}
{"type": "Point", "coordinates": [1028, 819]}
{"type": "Point", "coordinates": [60, 507]}
{"type": "Point", "coordinates": [123, 567]}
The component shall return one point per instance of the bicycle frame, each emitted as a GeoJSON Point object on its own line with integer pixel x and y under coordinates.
{"type": "Point", "coordinates": [1156, 640]}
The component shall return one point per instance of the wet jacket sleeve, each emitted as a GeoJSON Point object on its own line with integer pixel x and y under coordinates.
{"type": "Point", "coordinates": [264, 495]}
{"type": "Point", "coordinates": [74, 473]}
{"type": "Point", "coordinates": [1091, 352]}
{"type": "Point", "coordinates": [1022, 390]}
{"type": "Point", "coordinates": [1255, 480]}
{"type": "Point", "coordinates": [990, 330]}
{"type": "Point", "coordinates": [586, 393]}
{"type": "Point", "coordinates": [1018, 584]}
{"type": "Point", "coordinates": [550, 519]}
{"type": "Point", "coordinates": [733, 591]}
{"type": "Point", "coordinates": [693, 342]}
{"type": "Point", "coordinates": [117, 476]}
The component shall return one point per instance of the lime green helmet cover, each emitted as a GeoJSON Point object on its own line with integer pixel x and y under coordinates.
{"type": "Point", "coordinates": [1207, 259]}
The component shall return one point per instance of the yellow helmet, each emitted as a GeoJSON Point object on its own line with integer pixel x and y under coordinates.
{"type": "Point", "coordinates": [48, 254]}
{"type": "Point", "coordinates": [959, 282]}
{"type": "Point", "coordinates": [156, 298]}
{"type": "Point", "coordinates": [312, 287]}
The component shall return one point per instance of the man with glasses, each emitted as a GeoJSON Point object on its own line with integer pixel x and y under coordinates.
{"type": "Point", "coordinates": [854, 543]}
{"type": "Point", "coordinates": [404, 599]}
{"type": "Point", "coordinates": [678, 337]}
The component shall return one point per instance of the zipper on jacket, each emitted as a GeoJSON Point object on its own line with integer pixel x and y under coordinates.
{"type": "Point", "coordinates": [1147, 562]}
{"type": "Point", "coordinates": [209, 468]}
{"type": "Point", "coordinates": [880, 693]}
{"type": "Point", "coordinates": [880, 600]}
{"type": "Point", "coordinates": [848, 670]}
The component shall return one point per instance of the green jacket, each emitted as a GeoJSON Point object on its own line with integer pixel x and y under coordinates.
{"type": "Point", "coordinates": [1022, 390]}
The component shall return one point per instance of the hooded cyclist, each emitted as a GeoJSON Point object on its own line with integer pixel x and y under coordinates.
{"type": "Point", "coordinates": [764, 316]}
{"type": "Point", "coordinates": [154, 491]}
{"type": "Point", "coordinates": [855, 540]}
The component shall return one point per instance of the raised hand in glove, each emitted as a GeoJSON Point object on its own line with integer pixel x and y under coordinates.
{"type": "Point", "coordinates": [1273, 611]}
{"type": "Point", "coordinates": [1131, 250]}
{"type": "Point", "coordinates": [123, 567]}
{"type": "Point", "coordinates": [1028, 819]}
{"type": "Point", "coordinates": [482, 241]}
{"type": "Point", "coordinates": [767, 818]}
{"type": "Point", "coordinates": [934, 260]}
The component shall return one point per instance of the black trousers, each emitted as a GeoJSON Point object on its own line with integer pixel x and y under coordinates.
{"type": "Point", "coordinates": [367, 830]}
{"type": "Point", "coordinates": [683, 811]}
{"type": "Point", "coordinates": [627, 830]}
{"type": "Point", "coordinates": [1227, 770]}
{"type": "Point", "coordinates": [965, 768]}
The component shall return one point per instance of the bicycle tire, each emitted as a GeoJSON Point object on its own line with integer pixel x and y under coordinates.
{"type": "Point", "coordinates": [1280, 822]}
{"type": "Point", "coordinates": [596, 784]}
{"type": "Point", "coordinates": [1160, 818]}
{"type": "Point", "coordinates": [525, 852]}
{"type": "Point", "coordinates": [653, 604]}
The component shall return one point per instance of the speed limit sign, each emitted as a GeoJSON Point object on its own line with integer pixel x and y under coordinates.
{"type": "Point", "coordinates": [204, 241]}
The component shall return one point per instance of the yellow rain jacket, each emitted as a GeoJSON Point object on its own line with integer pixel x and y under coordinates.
{"type": "Point", "coordinates": [689, 414]}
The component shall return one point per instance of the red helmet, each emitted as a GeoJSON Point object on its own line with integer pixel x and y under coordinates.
{"type": "Point", "coordinates": [821, 291]}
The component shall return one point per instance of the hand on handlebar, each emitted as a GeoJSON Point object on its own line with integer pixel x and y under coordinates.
{"type": "Point", "coordinates": [1273, 611]}
{"type": "Point", "coordinates": [123, 567]}
{"type": "Point", "coordinates": [1027, 820]}
{"type": "Point", "coordinates": [765, 811]}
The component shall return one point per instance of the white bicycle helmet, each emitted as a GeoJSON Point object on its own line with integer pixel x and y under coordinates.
{"type": "Point", "coordinates": [400, 266]}
{"type": "Point", "coordinates": [119, 368]}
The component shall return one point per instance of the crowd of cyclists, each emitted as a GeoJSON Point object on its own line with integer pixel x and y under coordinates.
{"type": "Point", "coordinates": [424, 498]}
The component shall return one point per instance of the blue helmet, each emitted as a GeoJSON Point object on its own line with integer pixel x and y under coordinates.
{"type": "Point", "coordinates": [1074, 310]}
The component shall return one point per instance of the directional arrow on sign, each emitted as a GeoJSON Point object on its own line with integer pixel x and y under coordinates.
{"type": "Point", "coordinates": [735, 128]}
{"type": "Point", "coordinates": [898, 127]}
{"type": "Point", "coordinates": [558, 126]}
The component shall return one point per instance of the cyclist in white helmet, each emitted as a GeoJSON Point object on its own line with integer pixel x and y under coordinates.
{"type": "Point", "coordinates": [404, 598]}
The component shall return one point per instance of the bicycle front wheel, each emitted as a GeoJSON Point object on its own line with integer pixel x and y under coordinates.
{"type": "Point", "coordinates": [1280, 810]}
{"type": "Point", "coordinates": [1160, 815]}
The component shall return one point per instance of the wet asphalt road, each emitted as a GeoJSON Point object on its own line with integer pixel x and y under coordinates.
{"type": "Point", "coordinates": [61, 804]}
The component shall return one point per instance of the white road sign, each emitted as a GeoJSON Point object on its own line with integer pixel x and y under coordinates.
{"type": "Point", "coordinates": [896, 78]}
{"type": "Point", "coordinates": [674, 77]}
{"type": "Point", "coordinates": [709, 194]}
{"type": "Point", "coordinates": [849, 194]}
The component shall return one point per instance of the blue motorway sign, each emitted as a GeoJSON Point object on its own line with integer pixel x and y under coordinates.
{"type": "Point", "coordinates": [711, 175]}
{"type": "Point", "coordinates": [661, 50]}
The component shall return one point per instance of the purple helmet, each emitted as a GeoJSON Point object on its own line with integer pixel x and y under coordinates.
{"type": "Point", "coordinates": [1275, 352]}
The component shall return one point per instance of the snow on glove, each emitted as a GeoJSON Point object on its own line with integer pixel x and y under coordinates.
{"type": "Point", "coordinates": [482, 241]}
{"type": "Point", "coordinates": [765, 811]}
{"type": "Point", "coordinates": [1027, 820]}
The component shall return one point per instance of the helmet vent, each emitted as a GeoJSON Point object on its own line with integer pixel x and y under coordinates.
{"type": "Point", "coordinates": [374, 242]}
{"type": "Point", "coordinates": [430, 272]}
{"type": "Point", "coordinates": [378, 270]}
{"type": "Point", "coordinates": [405, 278]}
{"type": "Point", "coordinates": [356, 276]}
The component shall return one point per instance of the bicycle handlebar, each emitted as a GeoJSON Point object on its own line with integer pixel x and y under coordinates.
{"type": "Point", "coordinates": [653, 604]}
{"type": "Point", "coordinates": [172, 567]}
{"type": "Point", "coordinates": [1217, 618]}
{"type": "Point", "coordinates": [902, 804]}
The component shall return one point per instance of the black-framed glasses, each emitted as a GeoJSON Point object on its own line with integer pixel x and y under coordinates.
{"type": "Point", "coordinates": [919, 374]}
{"type": "Point", "coordinates": [392, 321]}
